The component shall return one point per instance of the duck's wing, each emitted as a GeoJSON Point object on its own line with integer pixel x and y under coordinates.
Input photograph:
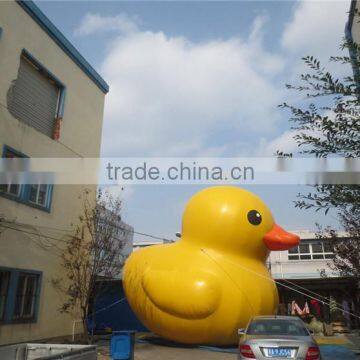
{"type": "Point", "coordinates": [186, 294]}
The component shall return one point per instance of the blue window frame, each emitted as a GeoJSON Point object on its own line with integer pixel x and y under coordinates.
{"type": "Point", "coordinates": [64, 43]}
{"type": "Point", "coordinates": [35, 195]}
{"type": "Point", "coordinates": [19, 295]}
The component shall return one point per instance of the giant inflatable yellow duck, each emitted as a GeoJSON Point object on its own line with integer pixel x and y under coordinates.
{"type": "Point", "coordinates": [204, 287]}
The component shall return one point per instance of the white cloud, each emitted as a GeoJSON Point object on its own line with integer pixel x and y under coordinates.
{"type": "Point", "coordinates": [316, 27]}
{"type": "Point", "coordinates": [173, 97]}
{"type": "Point", "coordinates": [284, 142]}
{"type": "Point", "coordinates": [92, 23]}
{"type": "Point", "coordinates": [170, 96]}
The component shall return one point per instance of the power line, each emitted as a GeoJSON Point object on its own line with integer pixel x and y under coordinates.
{"type": "Point", "coordinates": [32, 233]}
{"type": "Point", "coordinates": [73, 151]}
{"type": "Point", "coordinates": [327, 300]}
{"type": "Point", "coordinates": [276, 282]}
{"type": "Point", "coordinates": [109, 306]}
{"type": "Point", "coordinates": [318, 298]}
{"type": "Point", "coordinates": [293, 286]}
{"type": "Point", "coordinates": [115, 226]}
{"type": "Point", "coordinates": [303, 288]}
{"type": "Point", "coordinates": [46, 247]}
{"type": "Point", "coordinates": [258, 274]}
{"type": "Point", "coordinates": [151, 236]}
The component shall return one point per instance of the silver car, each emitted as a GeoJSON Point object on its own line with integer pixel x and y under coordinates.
{"type": "Point", "coordinates": [277, 337]}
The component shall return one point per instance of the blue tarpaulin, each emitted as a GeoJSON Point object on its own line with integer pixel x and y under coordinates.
{"type": "Point", "coordinates": [112, 311]}
{"type": "Point", "coordinates": [337, 352]}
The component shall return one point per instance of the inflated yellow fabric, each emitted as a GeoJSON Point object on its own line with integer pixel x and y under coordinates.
{"type": "Point", "coordinates": [207, 285]}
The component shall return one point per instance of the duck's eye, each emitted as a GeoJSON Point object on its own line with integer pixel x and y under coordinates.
{"type": "Point", "coordinates": [254, 217]}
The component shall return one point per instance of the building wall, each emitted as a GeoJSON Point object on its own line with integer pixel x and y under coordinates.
{"type": "Point", "coordinates": [355, 26]}
{"type": "Point", "coordinates": [124, 240]}
{"type": "Point", "coordinates": [127, 236]}
{"type": "Point", "coordinates": [283, 268]}
{"type": "Point", "coordinates": [80, 136]}
{"type": "Point", "coordinates": [84, 101]}
{"type": "Point", "coordinates": [142, 244]}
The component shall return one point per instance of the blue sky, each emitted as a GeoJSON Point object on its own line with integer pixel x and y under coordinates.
{"type": "Point", "coordinates": [200, 79]}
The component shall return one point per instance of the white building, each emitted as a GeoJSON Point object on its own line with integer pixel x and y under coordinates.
{"type": "Point", "coordinates": [123, 237]}
{"type": "Point", "coordinates": [142, 244]}
{"type": "Point", "coordinates": [303, 273]}
{"type": "Point", "coordinates": [306, 261]}
{"type": "Point", "coordinates": [126, 235]}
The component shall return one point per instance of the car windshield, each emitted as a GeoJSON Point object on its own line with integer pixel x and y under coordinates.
{"type": "Point", "coordinates": [276, 327]}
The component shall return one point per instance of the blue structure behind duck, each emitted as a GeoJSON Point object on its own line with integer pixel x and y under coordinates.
{"type": "Point", "coordinates": [112, 311]}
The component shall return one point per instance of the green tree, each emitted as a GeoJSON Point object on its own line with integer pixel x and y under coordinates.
{"type": "Point", "coordinates": [328, 125]}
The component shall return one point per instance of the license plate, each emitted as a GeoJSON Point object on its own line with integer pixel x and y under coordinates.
{"type": "Point", "coordinates": [279, 352]}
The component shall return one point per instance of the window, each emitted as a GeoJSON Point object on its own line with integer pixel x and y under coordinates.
{"type": "Point", "coordinates": [318, 250]}
{"type": "Point", "coordinates": [19, 295]}
{"type": "Point", "coordinates": [293, 253]}
{"type": "Point", "coordinates": [36, 97]}
{"type": "Point", "coordinates": [277, 327]}
{"type": "Point", "coordinates": [25, 296]}
{"type": "Point", "coordinates": [304, 251]}
{"type": "Point", "coordinates": [36, 195]}
{"type": "Point", "coordinates": [4, 286]}
{"type": "Point", "coordinates": [328, 247]}
{"type": "Point", "coordinates": [11, 188]}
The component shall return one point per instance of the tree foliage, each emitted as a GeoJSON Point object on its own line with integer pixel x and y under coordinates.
{"type": "Point", "coordinates": [329, 126]}
{"type": "Point", "coordinates": [346, 250]}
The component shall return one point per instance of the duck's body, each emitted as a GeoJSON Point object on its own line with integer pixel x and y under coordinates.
{"type": "Point", "coordinates": [196, 296]}
{"type": "Point", "coordinates": [195, 293]}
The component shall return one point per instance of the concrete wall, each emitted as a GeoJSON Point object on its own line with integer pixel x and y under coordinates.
{"type": "Point", "coordinates": [355, 28]}
{"type": "Point", "coordinates": [80, 136]}
{"type": "Point", "coordinates": [283, 268]}
{"type": "Point", "coordinates": [126, 234]}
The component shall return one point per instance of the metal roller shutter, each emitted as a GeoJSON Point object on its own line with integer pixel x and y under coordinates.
{"type": "Point", "coordinates": [33, 98]}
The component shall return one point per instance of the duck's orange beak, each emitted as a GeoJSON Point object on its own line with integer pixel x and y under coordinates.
{"type": "Point", "coordinates": [279, 239]}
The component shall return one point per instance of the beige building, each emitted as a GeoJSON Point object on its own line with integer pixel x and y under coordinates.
{"type": "Point", "coordinates": [51, 105]}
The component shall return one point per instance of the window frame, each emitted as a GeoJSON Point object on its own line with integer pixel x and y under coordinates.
{"type": "Point", "coordinates": [42, 69]}
{"type": "Point", "coordinates": [58, 114]}
{"type": "Point", "coordinates": [23, 315]}
{"type": "Point", "coordinates": [8, 192]}
{"type": "Point", "coordinates": [24, 193]}
{"type": "Point", "coordinates": [3, 311]}
{"type": "Point", "coordinates": [295, 254]}
{"type": "Point", "coordinates": [17, 154]}
{"type": "Point", "coordinates": [37, 197]}
{"type": "Point", "coordinates": [12, 293]}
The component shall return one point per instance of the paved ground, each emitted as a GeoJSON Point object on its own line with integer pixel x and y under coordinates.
{"type": "Point", "coordinates": [151, 351]}
{"type": "Point", "coordinates": [333, 348]}
{"type": "Point", "coordinates": [157, 352]}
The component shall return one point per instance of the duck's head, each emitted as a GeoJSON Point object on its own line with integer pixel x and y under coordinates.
{"type": "Point", "coordinates": [229, 218]}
